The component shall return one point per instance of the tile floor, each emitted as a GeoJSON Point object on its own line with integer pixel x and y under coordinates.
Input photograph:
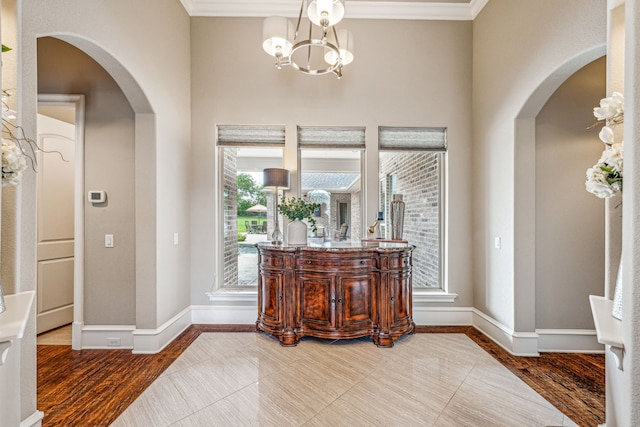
{"type": "Point", "coordinates": [240, 379]}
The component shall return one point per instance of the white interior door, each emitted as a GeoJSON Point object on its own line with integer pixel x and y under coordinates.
{"type": "Point", "coordinates": [55, 236]}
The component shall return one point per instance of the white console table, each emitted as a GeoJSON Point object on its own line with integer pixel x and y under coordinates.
{"type": "Point", "coordinates": [13, 323]}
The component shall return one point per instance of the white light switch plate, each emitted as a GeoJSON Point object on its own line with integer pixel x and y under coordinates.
{"type": "Point", "coordinates": [108, 240]}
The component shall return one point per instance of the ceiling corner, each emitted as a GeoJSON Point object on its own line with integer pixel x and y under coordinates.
{"type": "Point", "coordinates": [476, 7]}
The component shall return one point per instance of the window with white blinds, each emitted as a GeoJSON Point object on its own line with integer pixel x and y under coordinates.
{"type": "Point", "coordinates": [239, 135]}
{"type": "Point", "coordinates": [351, 137]}
{"type": "Point", "coordinates": [412, 138]}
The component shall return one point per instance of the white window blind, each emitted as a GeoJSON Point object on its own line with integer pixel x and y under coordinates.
{"type": "Point", "coordinates": [412, 138]}
{"type": "Point", "coordinates": [239, 135]}
{"type": "Point", "coordinates": [331, 137]}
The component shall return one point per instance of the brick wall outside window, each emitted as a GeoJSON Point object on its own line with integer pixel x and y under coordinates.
{"type": "Point", "coordinates": [417, 178]}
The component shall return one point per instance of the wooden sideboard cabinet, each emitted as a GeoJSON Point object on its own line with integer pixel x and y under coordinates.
{"type": "Point", "coordinates": [335, 291]}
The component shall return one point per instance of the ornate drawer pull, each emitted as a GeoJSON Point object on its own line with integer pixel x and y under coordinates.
{"type": "Point", "coordinates": [333, 300]}
{"type": "Point", "coordinates": [339, 300]}
{"type": "Point", "coordinates": [309, 262]}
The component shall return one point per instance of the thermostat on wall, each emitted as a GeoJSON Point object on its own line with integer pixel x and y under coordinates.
{"type": "Point", "coordinates": [96, 196]}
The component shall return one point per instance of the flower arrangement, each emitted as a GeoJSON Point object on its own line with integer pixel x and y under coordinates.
{"type": "Point", "coordinates": [14, 141]}
{"type": "Point", "coordinates": [604, 178]}
{"type": "Point", "coordinates": [297, 209]}
{"type": "Point", "coordinates": [14, 157]}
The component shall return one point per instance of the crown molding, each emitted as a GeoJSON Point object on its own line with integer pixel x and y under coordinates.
{"type": "Point", "coordinates": [354, 9]}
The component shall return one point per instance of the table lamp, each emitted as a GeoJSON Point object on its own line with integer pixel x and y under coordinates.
{"type": "Point", "coordinates": [276, 179]}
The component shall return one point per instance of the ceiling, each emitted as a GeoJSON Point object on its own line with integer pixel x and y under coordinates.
{"type": "Point", "coordinates": [357, 9]}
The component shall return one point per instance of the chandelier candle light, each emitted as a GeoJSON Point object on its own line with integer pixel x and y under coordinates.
{"type": "Point", "coordinates": [325, 50]}
{"type": "Point", "coordinates": [275, 179]}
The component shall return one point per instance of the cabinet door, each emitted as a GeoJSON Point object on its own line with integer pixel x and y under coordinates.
{"type": "Point", "coordinates": [317, 301]}
{"type": "Point", "coordinates": [400, 284]}
{"type": "Point", "coordinates": [355, 301]}
{"type": "Point", "coordinates": [270, 298]}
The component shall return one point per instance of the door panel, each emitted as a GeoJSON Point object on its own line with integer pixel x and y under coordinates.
{"type": "Point", "coordinates": [55, 236]}
{"type": "Point", "coordinates": [357, 300]}
{"type": "Point", "coordinates": [55, 284]}
{"type": "Point", "coordinates": [317, 300]}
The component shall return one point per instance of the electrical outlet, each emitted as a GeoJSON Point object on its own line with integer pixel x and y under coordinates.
{"type": "Point", "coordinates": [113, 342]}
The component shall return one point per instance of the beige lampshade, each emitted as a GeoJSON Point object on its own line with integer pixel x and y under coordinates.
{"type": "Point", "coordinates": [345, 43]}
{"type": "Point", "coordinates": [273, 177]}
{"type": "Point", "coordinates": [334, 10]}
{"type": "Point", "coordinates": [277, 33]}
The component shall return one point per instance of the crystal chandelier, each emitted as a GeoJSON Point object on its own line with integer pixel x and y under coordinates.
{"type": "Point", "coordinates": [325, 49]}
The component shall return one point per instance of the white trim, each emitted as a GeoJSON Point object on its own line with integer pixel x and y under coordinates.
{"type": "Point", "coordinates": [353, 10]}
{"type": "Point", "coordinates": [476, 7]}
{"type": "Point", "coordinates": [516, 343]}
{"type": "Point", "coordinates": [442, 316]}
{"type": "Point", "coordinates": [151, 341]}
{"type": "Point", "coordinates": [426, 296]}
{"type": "Point", "coordinates": [568, 341]}
{"type": "Point", "coordinates": [239, 308]}
{"type": "Point", "coordinates": [95, 337]}
{"type": "Point", "coordinates": [612, 4]}
{"type": "Point", "coordinates": [231, 314]}
{"type": "Point", "coordinates": [33, 420]}
{"type": "Point", "coordinates": [77, 101]}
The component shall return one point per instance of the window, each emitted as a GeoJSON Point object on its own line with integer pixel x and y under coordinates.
{"type": "Point", "coordinates": [247, 210]}
{"type": "Point", "coordinates": [330, 165]}
{"type": "Point", "coordinates": [411, 162]}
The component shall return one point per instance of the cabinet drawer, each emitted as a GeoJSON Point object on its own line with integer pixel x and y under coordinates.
{"type": "Point", "coordinates": [339, 263]}
{"type": "Point", "coordinates": [398, 262]}
{"type": "Point", "coordinates": [272, 261]}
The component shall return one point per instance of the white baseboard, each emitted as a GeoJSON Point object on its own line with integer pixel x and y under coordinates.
{"type": "Point", "coordinates": [151, 341]}
{"type": "Point", "coordinates": [145, 341]}
{"type": "Point", "coordinates": [97, 337]}
{"type": "Point", "coordinates": [242, 311]}
{"type": "Point", "coordinates": [516, 343]}
{"type": "Point", "coordinates": [54, 318]}
{"type": "Point", "coordinates": [568, 341]}
{"type": "Point", "coordinates": [33, 420]}
{"type": "Point", "coordinates": [216, 315]}
{"type": "Point", "coordinates": [442, 316]}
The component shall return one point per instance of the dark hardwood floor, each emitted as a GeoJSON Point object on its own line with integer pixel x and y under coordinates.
{"type": "Point", "coordinates": [93, 387]}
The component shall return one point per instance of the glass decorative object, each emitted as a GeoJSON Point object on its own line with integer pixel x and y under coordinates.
{"type": "Point", "coordinates": [397, 217]}
{"type": "Point", "coordinates": [617, 295]}
{"type": "Point", "coordinates": [2, 306]}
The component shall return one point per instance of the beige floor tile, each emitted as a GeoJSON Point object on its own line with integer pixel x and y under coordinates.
{"type": "Point", "coordinates": [214, 379]}
{"type": "Point", "coordinates": [159, 405]}
{"type": "Point", "coordinates": [424, 380]}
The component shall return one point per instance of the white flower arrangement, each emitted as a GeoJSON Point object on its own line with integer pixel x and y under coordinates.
{"type": "Point", "coordinates": [604, 178]}
{"type": "Point", "coordinates": [14, 158]}
{"type": "Point", "coordinates": [13, 163]}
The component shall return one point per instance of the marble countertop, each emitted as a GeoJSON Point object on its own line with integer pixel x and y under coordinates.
{"type": "Point", "coordinates": [337, 246]}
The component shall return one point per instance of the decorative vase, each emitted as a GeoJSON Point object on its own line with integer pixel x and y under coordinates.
{"type": "Point", "coordinates": [616, 311]}
{"type": "Point", "coordinates": [297, 233]}
{"type": "Point", "coordinates": [397, 217]}
{"type": "Point", "coordinates": [2, 306]}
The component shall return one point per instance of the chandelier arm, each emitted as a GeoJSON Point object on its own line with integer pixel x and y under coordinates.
{"type": "Point", "coordinates": [295, 37]}
{"type": "Point", "coordinates": [309, 44]}
{"type": "Point", "coordinates": [309, 48]}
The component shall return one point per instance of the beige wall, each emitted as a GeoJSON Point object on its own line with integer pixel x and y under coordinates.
{"type": "Point", "coordinates": [569, 259]}
{"type": "Point", "coordinates": [415, 73]}
{"type": "Point", "coordinates": [145, 47]}
{"type": "Point", "coordinates": [152, 66]}
{"type": "Point", "coordinates": [109, 291]}
{"type": "Point", "coordinates": [522, 52]}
